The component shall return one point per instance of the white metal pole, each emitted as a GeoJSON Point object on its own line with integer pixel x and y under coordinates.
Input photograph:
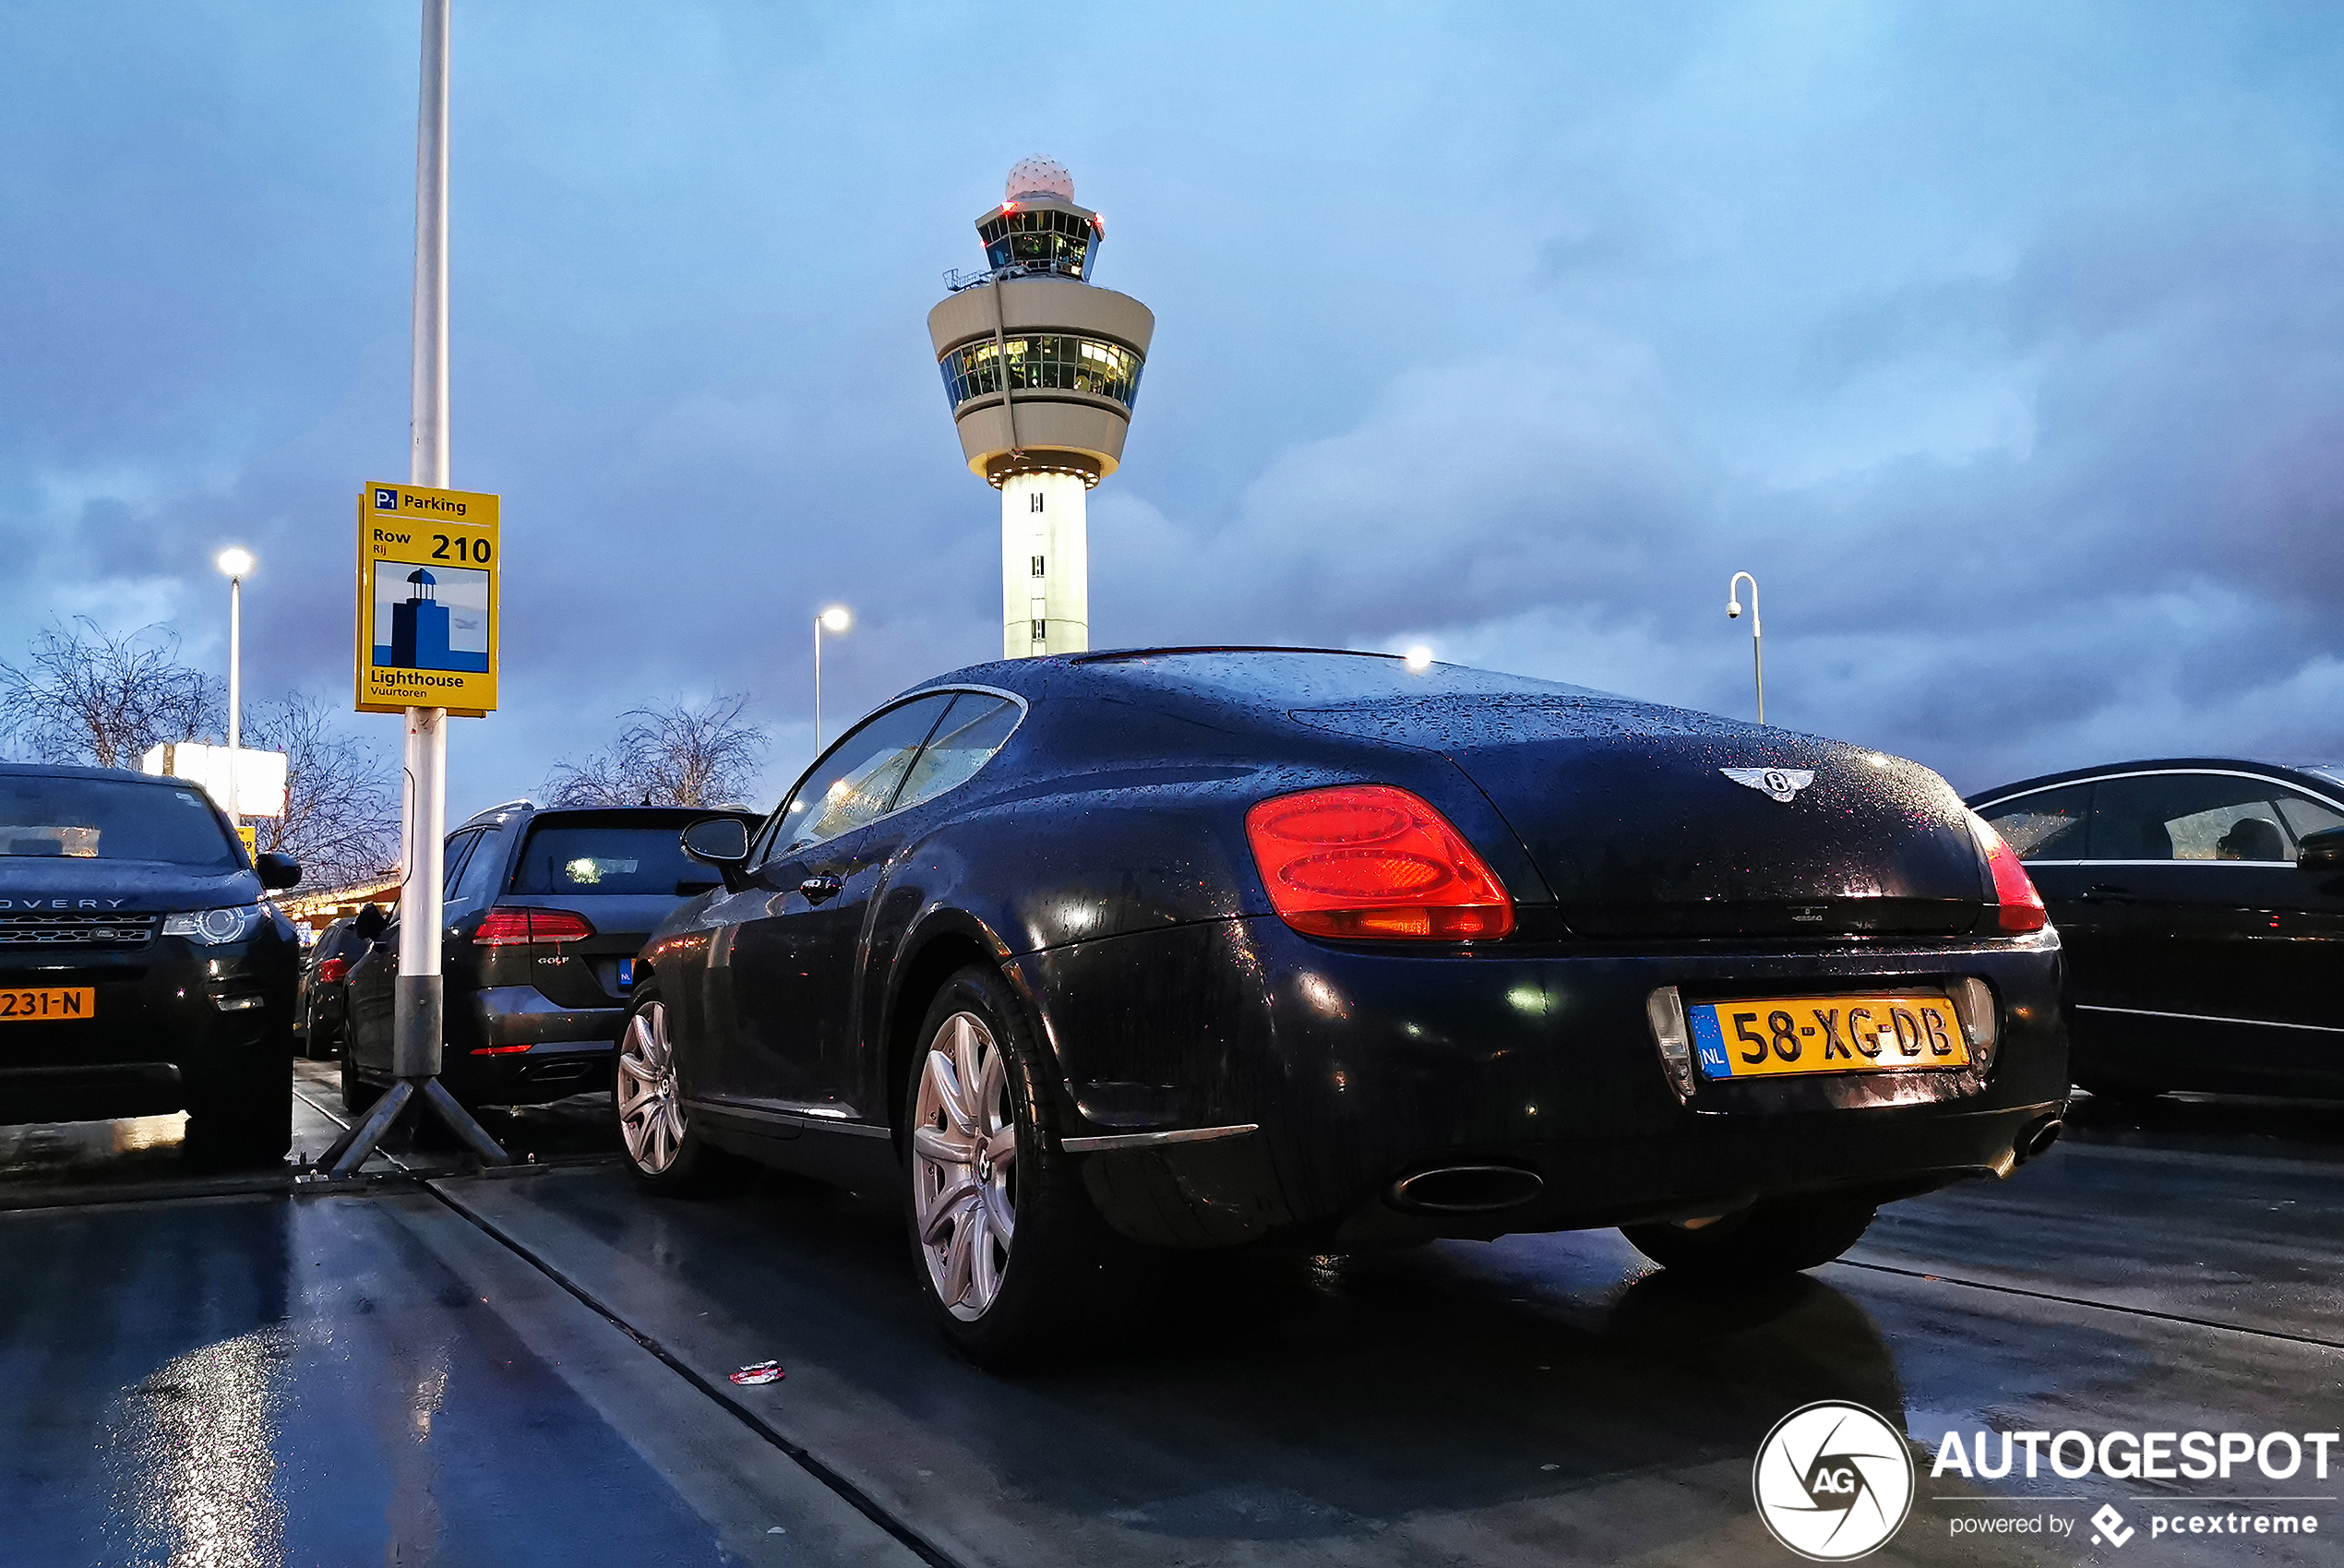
{"type": "Point", "coordinates": [418, 999]}
{"type": "Point", "coordinates": [235, 694]}
{"type": "Point", "coordinates": [415, 1035]}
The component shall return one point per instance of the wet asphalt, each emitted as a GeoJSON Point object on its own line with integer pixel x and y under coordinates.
{"type": "Point", "coordinates": [433, 1367]}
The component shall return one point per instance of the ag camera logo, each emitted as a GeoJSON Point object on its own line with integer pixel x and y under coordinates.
{"type": "Point", "coordinates": [1833, 1481]}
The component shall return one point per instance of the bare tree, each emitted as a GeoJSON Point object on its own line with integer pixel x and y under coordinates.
{"type": "Point", "coordinates": [341, 814]}
{"type": "Point", "coordinates": [85, 695]}
{"type": "Point", "coordinates": [676, 754]}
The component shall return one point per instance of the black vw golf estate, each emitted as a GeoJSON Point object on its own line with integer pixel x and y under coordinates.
{"type": "Point", "coordinates": [545, 909]}
{"type": "Point", "coordinates": [139, 971]}
{"type": "Point", "coordinates": [1214, 948]}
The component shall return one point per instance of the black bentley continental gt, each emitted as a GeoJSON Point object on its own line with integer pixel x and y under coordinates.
{"type": "Point", "coordinates": [1229, 947]}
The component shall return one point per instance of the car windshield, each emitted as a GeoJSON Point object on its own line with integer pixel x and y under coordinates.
{"type": "Point", "coordinates": [85, 818]}
{"type": "Point", "coordinates": [596, 857]}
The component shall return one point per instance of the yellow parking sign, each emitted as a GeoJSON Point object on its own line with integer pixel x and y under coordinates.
{"type": "Point", "coordinates": [428, 612]}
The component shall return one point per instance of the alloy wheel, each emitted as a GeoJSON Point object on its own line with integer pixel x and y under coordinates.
{"type": "Point", "coordinates": [965, 1165]}
{"type": "Point", "coordinates": [651, 1110]}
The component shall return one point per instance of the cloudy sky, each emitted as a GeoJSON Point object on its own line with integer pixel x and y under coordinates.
{"type": "Point", "coordinates": [2001, 341]}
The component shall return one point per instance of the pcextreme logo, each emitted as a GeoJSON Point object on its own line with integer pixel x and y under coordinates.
{"type": "Point", "coordinates": [1833, 1481]}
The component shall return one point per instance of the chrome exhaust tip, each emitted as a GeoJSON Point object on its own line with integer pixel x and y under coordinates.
{"type": "Point", "coordinates": [1466, 1189]}
{"type": "Point", "coordinates": [2040, 1137]}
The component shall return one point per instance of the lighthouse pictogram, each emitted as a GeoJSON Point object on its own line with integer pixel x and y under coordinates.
{"type": "Point", "coordinates": [419, 625]}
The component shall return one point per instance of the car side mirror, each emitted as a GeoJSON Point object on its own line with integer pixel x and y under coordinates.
{"type": "Point", "coordinates": [277, 870]}
{"type": "Point", "coordinates": [2322, 851]}
{"type": "Point", "coordinates": [720, 842]}
{"type": "Point", "coordinates": [369, 922]}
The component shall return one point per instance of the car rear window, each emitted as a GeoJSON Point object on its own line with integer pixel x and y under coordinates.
{"type": "Point", "coordinates": [588, 859]}
{"type": "Point", "coordinates": [112, 819]}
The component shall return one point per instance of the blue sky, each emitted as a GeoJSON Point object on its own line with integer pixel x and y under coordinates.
{"type": "Point", "coordinates": [2002, 342]}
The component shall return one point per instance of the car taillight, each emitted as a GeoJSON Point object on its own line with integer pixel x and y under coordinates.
{"type": "Point", "coordinates": [1370, 861]}
{"type": "Point", "coordinates": [506, 927]}
{"type": "Point", "coordinates": [2021, 907]}
{"type": "Point", "coordinates": [332, 969]}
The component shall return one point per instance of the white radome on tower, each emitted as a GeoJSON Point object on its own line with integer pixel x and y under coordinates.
{"type": "Point", "coordinates": [1039, 176]}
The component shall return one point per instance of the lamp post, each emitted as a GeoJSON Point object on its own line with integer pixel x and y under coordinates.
{"type": "Point", "coordinates": [833, 620]}
{"type": "Point", "coordinates": [1757, 649]}
{"type": "Point", "coordinates": [236, 561]}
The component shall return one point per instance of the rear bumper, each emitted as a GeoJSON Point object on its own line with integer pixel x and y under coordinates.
{"type": "Point", "coordinates": [1360, 1067]}
{"type": "Point", "coordinates": [527, 1050]}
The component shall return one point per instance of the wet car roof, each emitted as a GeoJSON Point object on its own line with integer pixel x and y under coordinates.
{"type": "Point", "coordinates": [2329, 773]}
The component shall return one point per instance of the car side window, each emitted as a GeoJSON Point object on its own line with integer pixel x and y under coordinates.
{"type": "Point", "coordinates": [975, 728]}
{"type": "Point", "coordinates": [458, 850]}
{"type": "Point", "coordinates": [2304, 815]}
{"type": "Point", "coordinates": [480, 869]}
{"type": "Point", "coordinates": [2050, 824]}
{"type": "Point", "coordinates": [2190, 816]}
{"type": "Point", "coordinates": [858, 780]}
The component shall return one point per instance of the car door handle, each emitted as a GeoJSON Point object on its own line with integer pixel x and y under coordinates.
{"type": "Point", "coordinates": [2106, 889]}
{"type": "Point", "coordinates": [817, 889]}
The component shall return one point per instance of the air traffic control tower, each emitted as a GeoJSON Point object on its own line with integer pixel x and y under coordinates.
{"type": "Point", "coordinates": [1041, 368]}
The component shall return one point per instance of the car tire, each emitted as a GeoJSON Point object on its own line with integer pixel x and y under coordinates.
{"type": "Point", "coordinates": [358, 1096]}
{"type": "Point", "coordinates": [1009, 1254]}
{"type": "Point", "coordinates": [664, 1149]}
{"type": "Point", "coordinates": [1766, 1238]}
{"type": "Point", "coordinates": [242, 1113]}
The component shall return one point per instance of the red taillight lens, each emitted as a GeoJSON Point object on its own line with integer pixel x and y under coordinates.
{"type": "Point", "coordinates": [1368, 861]}
{"type": "Point", "coordinates": [507, 927]}
{"type": "Point", "coordinates": [2021, 905]}
{"type": "Point", "coordinates": [332, 969]}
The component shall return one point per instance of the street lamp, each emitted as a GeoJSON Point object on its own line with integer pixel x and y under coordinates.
{"type": "Point", "coordinates": [236, 561]}
{"type": "Point", "coordinates": [833, 620]}
{"type": "Point", "coordinates": [1757, 652]}
{"type": "Point", "coordinates": [1419, 657]}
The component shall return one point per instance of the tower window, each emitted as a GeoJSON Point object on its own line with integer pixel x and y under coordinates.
{"type": "Point", "coordinates": [1037, 566]}
{"type": "Point", "coordinates": [1038, 636]}
{"type": "Point", "coordinates": [1071, 364]}
{"type": "Point", "coordinates": [1037, 502]}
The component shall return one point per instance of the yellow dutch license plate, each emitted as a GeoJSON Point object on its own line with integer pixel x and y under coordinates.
{"type": "Point", "coordinates": [1768, 1038]}
{"type": "Point", "coordinates": [53, 1003]}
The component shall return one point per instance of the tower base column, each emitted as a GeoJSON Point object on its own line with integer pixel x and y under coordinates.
{"type": "Point", "coordinates": [1046, 566]}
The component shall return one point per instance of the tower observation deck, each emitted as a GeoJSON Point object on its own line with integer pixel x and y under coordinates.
{"type": "Point", "coordinates": [1041, 368]}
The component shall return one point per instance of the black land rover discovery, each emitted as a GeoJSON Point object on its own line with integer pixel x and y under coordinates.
{"type": "Point", "coordinates": [139, 971]}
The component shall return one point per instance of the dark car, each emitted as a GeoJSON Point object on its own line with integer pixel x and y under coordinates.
{"type": "Point", "coordinates": [140, 971]}
{"type": "Point", "coordinates": [545, 911]}
{"type": "Point", "coordinates": [2201, 902]}
{"type": "Point", "coordinates": [321, 1005]}
{"type": "Point", "coordinates": [1216, 948]}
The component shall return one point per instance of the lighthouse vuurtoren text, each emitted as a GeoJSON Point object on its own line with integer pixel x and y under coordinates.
{"type": "Point", "coordinates": [1043, 368]}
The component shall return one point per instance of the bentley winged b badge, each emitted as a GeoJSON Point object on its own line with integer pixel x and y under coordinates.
{"type": "Point", "coordinates": [1780, 784]}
